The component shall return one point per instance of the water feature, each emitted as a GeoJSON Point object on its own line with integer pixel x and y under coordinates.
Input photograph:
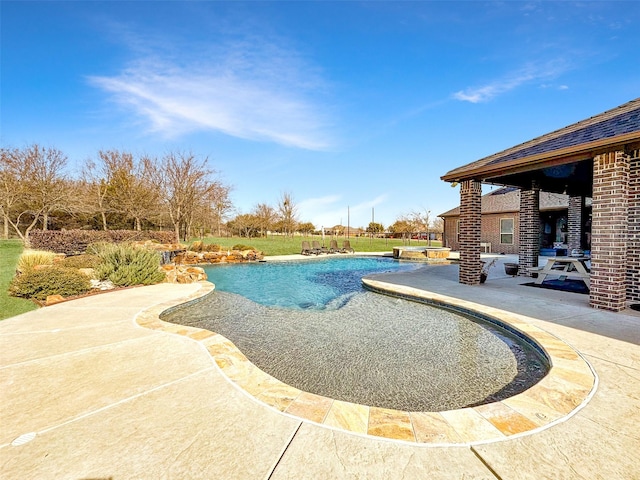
{"type": "Point", "coordinates": [360, 346]}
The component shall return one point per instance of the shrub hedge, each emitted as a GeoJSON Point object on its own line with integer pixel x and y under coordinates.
{"type": "Point", "coordinates": [39, 283]}
{"type": "Point", "coordinates": [74, 242]}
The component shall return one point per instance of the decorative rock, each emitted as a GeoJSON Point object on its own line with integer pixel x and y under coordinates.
{"type": "Point", "coordinates": [223, 256]}
{"type": "Point", "coordinates": [183, 274]}
{"type": "Point", "coordinates": [53, 299]}
{"type": "Point", "coordinates": [102, 285]}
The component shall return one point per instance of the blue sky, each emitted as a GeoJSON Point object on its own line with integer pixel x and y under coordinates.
{"type": "Point", "coordinates": [345, 105]}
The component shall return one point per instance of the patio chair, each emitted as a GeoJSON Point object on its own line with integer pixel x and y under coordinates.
{"type": "Point", "coordinates": [306, 249]}
{"type": "Point", "coordinates": [333, 246]}
{"type": "Point", "coordinates": [346, 247]}
{"type": "Point", "coordinates": [318, 248]}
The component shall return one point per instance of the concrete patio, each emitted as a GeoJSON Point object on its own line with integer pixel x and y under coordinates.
{"type": "Point", "coordinates": [88, 393]}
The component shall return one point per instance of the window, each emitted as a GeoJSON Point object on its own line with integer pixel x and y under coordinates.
{"type": "Point", "coordinates": [458, 231]}
{"type": "Point", "coordinates": [506, 231]}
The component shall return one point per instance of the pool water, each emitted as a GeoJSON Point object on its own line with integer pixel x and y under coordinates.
{"type": "Point", "coordinates": [358, 346]}
{"type": "Point", "coordinates": [318, 284]}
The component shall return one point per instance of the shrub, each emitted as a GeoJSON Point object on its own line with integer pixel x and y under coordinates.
{"type": "Point", "coordinates": [196, 246]}
{"type": "Point", "coordinates": [31, 258]}
{"type": "Point", "coordinates": [241, 247]}
{"type": "Point", "coordinates": [127, 265]}
{"type": "Point", "coordinates": [52, 280]}
{"type": "Point", "coordinates": [213, 248]}
{"type": "Point", "coordinates": [81, 261]}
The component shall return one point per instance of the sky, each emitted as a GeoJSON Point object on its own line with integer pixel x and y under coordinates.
{"type": "Point", "coordinates": [355, 109]}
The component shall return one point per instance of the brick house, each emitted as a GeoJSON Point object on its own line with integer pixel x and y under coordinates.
{"type": "Point", "coordinates": [501, 222]}
{"type": "Point", "coordinates": [597, 158]}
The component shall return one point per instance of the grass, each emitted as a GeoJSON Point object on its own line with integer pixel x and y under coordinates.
{"type": "Point", "coordinates": [10, 251]}
{"type": "Point", "coordinates": [279, 245]}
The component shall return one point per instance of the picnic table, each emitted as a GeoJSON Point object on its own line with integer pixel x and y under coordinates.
{"type": "Point", "coordinates": [564, 267]}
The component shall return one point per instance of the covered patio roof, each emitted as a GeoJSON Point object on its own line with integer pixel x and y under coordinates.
{"type": "Point", "coordinates": [559, 161]}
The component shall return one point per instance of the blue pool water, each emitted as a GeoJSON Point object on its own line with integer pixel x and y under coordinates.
{"type": "Point", "coordinates": [318, 284]}
{"type": "Point", "coordinates": [311, 325]}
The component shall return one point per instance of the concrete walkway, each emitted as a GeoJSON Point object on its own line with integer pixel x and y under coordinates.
{"type": "Point", "coordinates": [87, 393]}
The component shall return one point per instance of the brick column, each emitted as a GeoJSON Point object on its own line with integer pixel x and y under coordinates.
{"type": "Point", "coordinates": [470, 229]}
{"type": "Point", "coordinates": [609, 231]}
{"type": "Point", "coordinates": [633, 242]}
{"type": "Point", "coordinates": [529, 245]}
{"type": "Point", "coordinates": [574, 222]}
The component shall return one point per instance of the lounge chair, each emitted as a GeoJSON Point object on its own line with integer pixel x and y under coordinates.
{"type": "Point", "coordinates": [333, 247]}
{"type": "Point", "coordinates": [319, 249]}
{"type": "Point", "coordinates": [346, 247]}
{"type": "Point", "coordinates": [306, 249]}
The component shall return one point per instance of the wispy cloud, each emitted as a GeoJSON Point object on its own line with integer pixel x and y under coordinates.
{"type": "Point", "coordinates": [249, 89]}
{"type": "Point", "coordinates": [528, 74]}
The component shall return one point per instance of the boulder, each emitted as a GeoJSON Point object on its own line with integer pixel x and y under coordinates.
{"type": "Point", "coordinates": [53, 299]}
{"type": "Point", "coordinates": [183, 274]}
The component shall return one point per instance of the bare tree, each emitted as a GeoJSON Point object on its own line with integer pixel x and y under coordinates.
{"type": "Point", "coordinates": [265, 215]}
{"type": "Point", "coordinates": [40, 187]}
{"type": "Point", "coordinates": [287, 210]}
{"type": "Point", "coordinates": [130, 188]}
{"type": "Point", "coordinates": [184, 183]}
{"type": "Point", "coordinates": [11, 190]}
{"type": "Point", "coordinates": [96, 179]}
{"type": "Point", "coordinates": [422, 222]}
{"type": "Point", "coordinates": [221, 206]}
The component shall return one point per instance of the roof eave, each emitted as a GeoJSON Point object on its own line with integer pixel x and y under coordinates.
{"type": "Point", "coordinates": [556, 157]}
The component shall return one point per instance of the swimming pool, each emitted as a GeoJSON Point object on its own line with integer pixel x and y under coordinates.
{"type": "Point", "coordinates": [318, 284]}
{"type": "Point", "coordinates": [362, 347]}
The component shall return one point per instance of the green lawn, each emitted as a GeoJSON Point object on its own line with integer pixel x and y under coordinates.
{"type": "Point", "coordinates": [9, 306]}
{"type": "Point", "coordinates": [278, 245]}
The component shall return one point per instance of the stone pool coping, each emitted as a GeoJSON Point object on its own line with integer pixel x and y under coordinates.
{"type": "Point", "coordinates": [568, 386]}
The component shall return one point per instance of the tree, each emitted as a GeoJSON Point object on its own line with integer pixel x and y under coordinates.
{"type": "Point", "coordinates": [220, 202]}
{"type": "Point", "coordinates": [245, 225]}
{"type": "Point", "coordinates": [375, 228]}
{"type": "Point", "coordinates": [422, 222]}
{"type": "Point", "coordinates": [184, 183]}
{"type": "Point", "coordinates": [40, 187]}
{"type": "Point", "coordinates": [306, 228]}
{"type": "Point", "coordinates": [287, 210]}
{"type": "Point", "coordinates": [265, 216]}
{"type": "Point", "coordinates": [403, 227]}
{"type": "Point", "coordinates": [98, 178]}
{"type": "Point", "coordinates": [131, 190]}
{"type": "Point", "coordinates": [10, 187]}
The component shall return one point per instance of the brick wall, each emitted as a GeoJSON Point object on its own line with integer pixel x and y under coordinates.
{"type": "Point", "coordinates": [574, 222]}
{"type": "Point", "coordinates": [609, 231]}
{"type": "Point", "coordinates": [633, 241]}
{"type": "Point", "coordinates": [529, 229]}
{"type": "Point", "coordinates": [490, 232]}
{"type": "Point", "coordinates": [470, 232]}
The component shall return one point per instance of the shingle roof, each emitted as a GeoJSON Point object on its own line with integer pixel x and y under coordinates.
{"type": "Point", "coordinates": [507, 199]}
{"type": "Point", "coordinates": [609, 128]}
